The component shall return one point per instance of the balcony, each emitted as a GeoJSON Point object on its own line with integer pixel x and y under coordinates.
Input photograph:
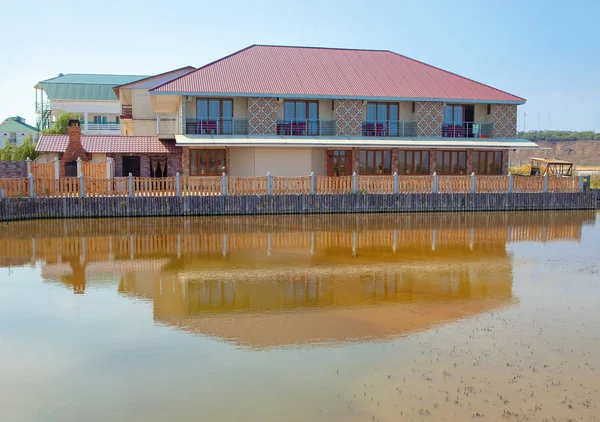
{"type": "Point", "coordinates": [217, 126]}
{"type": "Point", "coordinates": [390, 128]}
{"type": "Point", "coordinates": [306, 127]}
{"type": "Point", "coordinates": [126, 111]}
{"type": "Point", "coordinates": [102, 127]}
{"type": "Point", "coordinates": [468, 130]}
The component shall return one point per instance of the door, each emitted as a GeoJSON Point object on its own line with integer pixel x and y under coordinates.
{"type": "Point", "coordinates": [131, 165]}
{"type": "Point", "coordinates": [339, 163]}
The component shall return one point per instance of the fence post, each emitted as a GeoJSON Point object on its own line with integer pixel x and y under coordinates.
{"type": "Point", "coordinates": [28, 165]}
{"type": "Point", "coordinates": [224, 182]}
{"type": "Point", "coordinates": [268, 183]}
{"type": "Point", "coordinates": [31, 192]}
{"type": "Point", "coordinates": [546, 182]}
{"type": "Point", "coordinates": [130, 184]}
{"type": "Point", "coordinates": [435, 182]}
{"type": "Point", "coordinates": [312, 182]}
{"type": "Point", "coordinates": [56, 168]}
{"type": "Point", "coordinates": [2, 194]}
{"type": "Point", "coordinates": [355, 183]}
{"type": "Point", "coordinates": [108, 168]}
{"type": "Point", "coordinates": [580, 183]}
{"type": "Point", "coordinates": [510, 183]}
{"type": "Point", "coordinates": [395, 182]}
{"type": "Point", "coordinates": [81, 185]}
{"type": "Point", "coordinates": [473, 183]}
{"type": "Point", "coordinates": [79, 166]}
{"type": "Point", "coordinates": [178, 183]}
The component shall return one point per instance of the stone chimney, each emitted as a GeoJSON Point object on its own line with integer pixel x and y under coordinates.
{"type": "Point", "coordinates": [68, 162]}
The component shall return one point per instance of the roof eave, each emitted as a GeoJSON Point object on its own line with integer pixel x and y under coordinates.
{"type": "Point", "coordinates": [520, 101]}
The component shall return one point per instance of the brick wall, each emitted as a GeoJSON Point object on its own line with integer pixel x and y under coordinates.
{"type": "Point", "coordinates": [173, 164]}
{"type": "Point", "coordinates": [504, 117]}
{"type": "Point", "coordinates": [348, 117]}
{"type": "Point", "coordinates": [185, 161]}
{"type": "Point", "coordinates": [430, 116]}
{"type": "Point", "coordinates": [13, 169]}
{"type": "Point", "coordinates": [262, 116]}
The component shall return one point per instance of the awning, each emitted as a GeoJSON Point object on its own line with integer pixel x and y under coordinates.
{"type": "Point", "coordinates": [351, 142]}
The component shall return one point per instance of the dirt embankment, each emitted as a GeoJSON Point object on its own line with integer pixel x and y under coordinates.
{"type": "Point", "coordinates": [582, 153]}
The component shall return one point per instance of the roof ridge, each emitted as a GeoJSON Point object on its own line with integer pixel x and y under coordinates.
{"type": "Point", "coordinates": [321, 48]}
{"type": "Point", "coordinates": [455, 74]}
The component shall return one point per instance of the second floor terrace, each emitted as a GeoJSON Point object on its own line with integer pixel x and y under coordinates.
{"type": "Point", "coordinates": [241, 116]}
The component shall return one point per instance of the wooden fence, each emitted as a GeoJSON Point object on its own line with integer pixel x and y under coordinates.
{"type": "Point", "coordinates": [42, 170]}
{"type": "Point", "coordinates": [94, 170]}
{"type": "Point", "coordinates": [277, 185]}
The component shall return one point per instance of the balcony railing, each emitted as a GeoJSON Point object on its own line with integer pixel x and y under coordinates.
{"type": "Point", "coordinates": [126, 111]}
{"type": "Point", "coordinates": [390, 128]}
{"type": "Point", "coordinates": [217, 126]}
{"type": "Point", "coordinates": [468, 130]}
{"type": "Point", "coordinates": [103, 126]}
{"type": "Point", "coordinates": [306, 127]}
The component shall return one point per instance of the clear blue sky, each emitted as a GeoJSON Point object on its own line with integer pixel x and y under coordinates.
{"type": "Point", "coordinates": [545, 51]}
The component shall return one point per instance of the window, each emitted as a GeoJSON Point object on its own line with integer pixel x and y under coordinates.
{"type": "Point", "coordinates": [487, 162]}
{"type": "Point", "coordinates": [382, 119]}
{"type": "Point", "coordinates": [117, 120]}
{"type": "Point", "coordinates": [100, 119]}
{"type": "Point", "coordinates": [489, 109]}
{"type": "Point", "coordinates": [413, 162]}
{"type": "Point", "coordinates": [299, 118]}
{"type": "Point", "coordinates": [207, 162]}
{"type": "Point", "coordinates": [374, 162]}
{"type": "Point", "coordinates": [213, 116]}
{"type": "Point", "coordinates": [451, 162]}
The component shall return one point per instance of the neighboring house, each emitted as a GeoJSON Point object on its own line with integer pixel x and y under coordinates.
{"type": "Point", "coordinates": [88, 94]}
{"type": "Point", "coordinates": [14, 129]}
{"type": "Point", "coordinates": [291, 111]}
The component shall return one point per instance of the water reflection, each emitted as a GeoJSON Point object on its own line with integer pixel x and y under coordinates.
{"type": "Point", "coordinates": [276, 280]}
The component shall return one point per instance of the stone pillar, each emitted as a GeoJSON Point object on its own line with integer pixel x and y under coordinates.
{"type": "Point", "coordinates": [348, 117]}
{"type": "Point", "coordinates": [262, 116]}
{"type": "Point", "coordinates": [430, 116]}
{"type": "Point", "coordinates": [355, 160]}
{"type": "Point", "coordinates": [432, 161]}
{"type": "Point", "coordinates": [394, 160]}
{"type": "Point", "coordinates": [185, 161]}
{"type": "Point", "coordinates": [469, 161]}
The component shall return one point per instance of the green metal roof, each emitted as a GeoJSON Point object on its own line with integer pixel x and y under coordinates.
{"type": "Point", "coordinates": [79, 86]}
{"type": "Point", "coordinates": [13, 125]}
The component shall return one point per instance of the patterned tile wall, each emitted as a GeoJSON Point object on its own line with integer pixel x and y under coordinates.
{"type": "Point", "coordinates": [262, 116]}
{"type": "Point", "coordinates": [430, 116]}
{"type": "Point", "coordinates": [504, 117]}
{"type": "Point", "coordinates": [348, 117]}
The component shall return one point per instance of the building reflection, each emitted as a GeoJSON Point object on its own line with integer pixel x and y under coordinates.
{"type": "Point", "coordinates": [276, 280]}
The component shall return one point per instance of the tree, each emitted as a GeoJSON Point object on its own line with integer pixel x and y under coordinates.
{"type": "Point", "coordinates": [61, 124]}
{"type": "Point", "coordinates": [19, 152]}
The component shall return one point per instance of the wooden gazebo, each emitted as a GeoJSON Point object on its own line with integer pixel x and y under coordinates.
{"type": "Point", "coordinates": [552, 166]}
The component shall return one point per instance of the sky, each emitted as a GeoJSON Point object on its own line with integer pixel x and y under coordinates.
{"type": "Point", "coordinates": [545, 51]}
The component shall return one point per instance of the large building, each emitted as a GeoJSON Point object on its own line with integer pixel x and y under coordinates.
{"type": "Point", "coordinates": [291, 111]}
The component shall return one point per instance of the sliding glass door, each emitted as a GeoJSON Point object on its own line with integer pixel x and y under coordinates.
{"type": "Point", "coordinates": [382, 119]}
{"type": "Point", "coordinates": [214, 116]}
{"type": "Point", "coordinates": [300, 118]}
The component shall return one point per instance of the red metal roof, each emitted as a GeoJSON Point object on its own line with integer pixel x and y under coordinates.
{"type": "Point", "coordinates": [99, 144]}
{"type": "Point", "coordinates": [330, 72]}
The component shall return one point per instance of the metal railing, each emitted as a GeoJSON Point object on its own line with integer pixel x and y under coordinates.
{"type": "Point", "coordinates": [306, 127]}
{"type": "Point", "coordinates": [216, 126]}
{"type": "Point", "coordinates": [468, 130]}
{"type": "Point", "coordinates": [389, 128]}
{"type": "Point", "coordinates": [43, 105]}
{"type": "Point", "coordinates": [101, 126]}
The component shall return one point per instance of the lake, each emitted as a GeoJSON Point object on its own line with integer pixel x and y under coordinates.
{"type": "Point", "coordinates": [491, 316]}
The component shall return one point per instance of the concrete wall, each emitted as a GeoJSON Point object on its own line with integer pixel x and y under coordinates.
{"type": "Point", "coordinates": [141, 104]}
{"type": "Point", "coordinates": [47, 157]}
{"type": "Point", "coordinates": [24, 209]}
{"type": "Point", "coordinates": [252, 161]}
